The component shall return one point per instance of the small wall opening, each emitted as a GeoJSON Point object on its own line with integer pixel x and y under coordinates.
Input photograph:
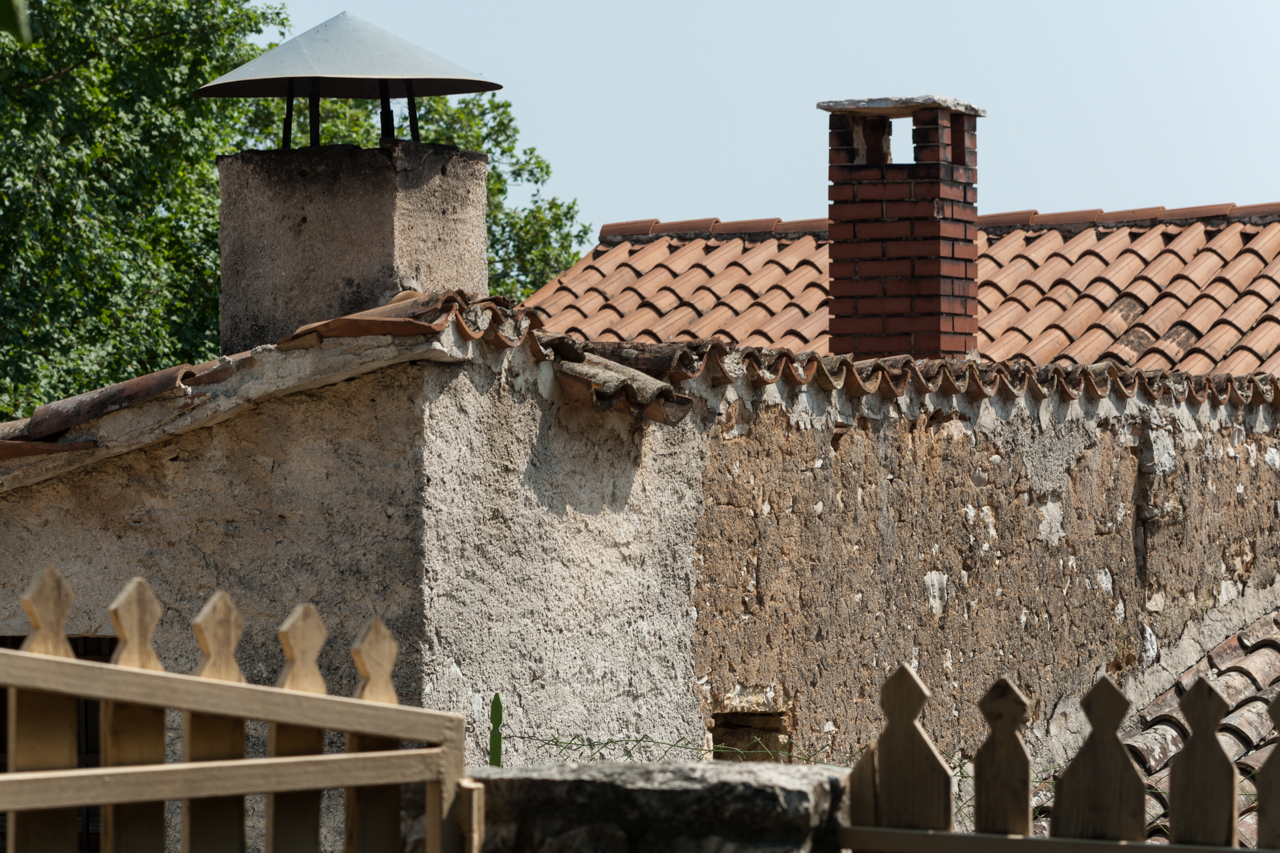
{"type": "Point", "coordinates": [753, 737]}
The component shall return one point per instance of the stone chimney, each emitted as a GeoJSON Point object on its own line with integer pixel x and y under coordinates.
{"type": "Point", "coordinates": [903, 256]}
{"type": "Point", "coordinates": [313, 233]}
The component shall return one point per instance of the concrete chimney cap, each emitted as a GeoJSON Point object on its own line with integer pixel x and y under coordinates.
{"type": "Point", "coordinates": [899, 107]}
{"type": "Point", "coordinates": [346, 57]}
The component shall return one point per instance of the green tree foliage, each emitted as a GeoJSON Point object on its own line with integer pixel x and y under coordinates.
{"type": "Point", "coordinates": [528, 245]}
{"type": "Point", "coordinates": [109, 260]}
{"type": "Point", "coordinates": [108, 194]}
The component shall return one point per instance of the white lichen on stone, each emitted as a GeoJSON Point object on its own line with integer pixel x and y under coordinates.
{"type": "Point", "coordinates": [935, 592]}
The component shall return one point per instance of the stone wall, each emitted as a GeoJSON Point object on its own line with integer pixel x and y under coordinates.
{"type": "Point", "coordinates": [777, 552]}
{"type": "Point", "coordinates": [1048, 541]}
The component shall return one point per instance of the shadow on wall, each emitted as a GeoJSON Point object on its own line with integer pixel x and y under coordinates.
{"type": "Point", "coordinates": [585, 460]}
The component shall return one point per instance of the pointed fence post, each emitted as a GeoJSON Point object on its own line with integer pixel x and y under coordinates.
{"type": "Point", "coordinates": [1100, 794]}
{"type": "Point", "coordinates": [293, 819]}
{"type": "Point", "coordinates": [914, 784]}
{"type": "Point", "coordinates": [133, 734]}
{"type": "Point", "coordinates": [862, 789]}
{"type": "Point", "coordinates": [1267, 781]}
{"type": "Point", "coordinates": [373, 812]}
{"type": "Point", "coordinates": [1002, 767]}
{"type": "Point", "coordinates": [214, 824]}
{"type": "Point", "coordinates": [42, 726]}
{"type": "Point", "coordinates": [1203, 782]}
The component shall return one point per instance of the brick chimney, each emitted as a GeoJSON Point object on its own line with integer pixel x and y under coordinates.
{"type": "Point", "coordinates": [309, 234]}
{"type": "Point", "coordinates": [903, 256]}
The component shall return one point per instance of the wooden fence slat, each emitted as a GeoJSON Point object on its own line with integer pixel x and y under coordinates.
{"type": "Point", "coordinates": [459, 829]}
{"type": "Point", "coordinates": [101, 681]}
{"type": "Point", "coordinates": [293, 819]}
{"type": "Point", "coordinates": [1204, 783]}
{"type": "Point", "coordinates": [42, 726]}
{"type": "Point", "coordinates": [1100, 794]}
{"type": "Point", "coordinates": [862, 789]}
{"type": "Point", "coordinates": [133, 734]}
{"type": "Point", "coordinates": [914, 783]}
{"type": "Point", "coordinates": [1002, 767]}
{"type": "Point", "coordinates": [215, 824]}
{"type": "Point", "coordinates": [194, 780]}
{"type": "Point", "coordinates": [1267, 781]}
{"type": "Point", "coordinates": [373, 812]}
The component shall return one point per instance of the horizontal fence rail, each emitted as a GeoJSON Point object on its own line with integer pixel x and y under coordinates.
{"type": "Point", "coordinates": [44, 788]}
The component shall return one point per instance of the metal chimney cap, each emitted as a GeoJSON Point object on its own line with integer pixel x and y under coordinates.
{"type": "Point", "coordinates": [346, 57]}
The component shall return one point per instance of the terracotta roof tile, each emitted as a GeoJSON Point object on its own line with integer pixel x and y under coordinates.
{"type": "Point", "coordinates": [1145, 287]}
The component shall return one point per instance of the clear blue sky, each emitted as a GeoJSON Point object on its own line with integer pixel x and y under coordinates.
{"type": "Point", "coordinates": [679, 110]}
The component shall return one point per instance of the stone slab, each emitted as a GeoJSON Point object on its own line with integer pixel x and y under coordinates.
{"type": "Point", "coordinates": [708, 807]}
{"type": "Point", "coordinates": [899, 107]}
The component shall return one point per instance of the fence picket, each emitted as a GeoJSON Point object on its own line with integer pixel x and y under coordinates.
{"type": "Point", "coordinates": [293, 819]}
{"type": "Point", "coordinates": [1002, 767]}
{"type": "Point", "coordinates": [914, 783]}
{"type": "Point", "coordinates": [373, 812]}
{"type": "Point", "coordinates": [214, 824]}
{"type": "Point", "coordinates": [42, 726]}
{"type": "Point", "coordinates": [862, 789]}
{"type": "Point", "coordinates": [1267, 781]}
{"type": "Point", "coordinates": [1204, 783]}
{"type": "Point", "coordinates": [133, 734]}
{"type": "Point", "coordinates": [1101, 793]}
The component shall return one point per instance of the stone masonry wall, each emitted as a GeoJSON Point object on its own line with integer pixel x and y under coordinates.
{"type": "Point", "coordinates": [1048, 541]}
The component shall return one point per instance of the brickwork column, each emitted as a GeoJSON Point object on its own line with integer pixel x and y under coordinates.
{"type": "Point", "coordinates": [903, 256]}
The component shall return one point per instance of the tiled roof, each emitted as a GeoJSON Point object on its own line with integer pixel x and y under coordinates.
{"type": "Point", "coordinates": [1245, 670]}
{"type": "Point", "coordinates": [1195, 290]}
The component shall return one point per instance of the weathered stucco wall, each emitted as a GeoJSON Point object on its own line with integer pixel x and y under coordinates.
{"type": "Point", "coordinates": [1048, 541]}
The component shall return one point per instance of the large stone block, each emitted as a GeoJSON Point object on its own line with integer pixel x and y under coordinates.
{"type": "Point", "coordinates": [698, 807]}
{"type": "Point", "coordinates": [314, 233]}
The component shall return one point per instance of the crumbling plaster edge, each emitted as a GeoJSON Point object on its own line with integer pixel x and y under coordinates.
{"type": "Point", "coordinates": [266, 373]}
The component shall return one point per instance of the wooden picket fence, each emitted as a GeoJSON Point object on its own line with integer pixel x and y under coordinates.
{"type": "Point", "coordinates": [901, 788]}
{"type": "Point", "coordinates": [42, 790]}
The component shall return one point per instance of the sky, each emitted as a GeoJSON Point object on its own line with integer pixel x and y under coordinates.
{"type": "Point", "coordinates": [682, 110]}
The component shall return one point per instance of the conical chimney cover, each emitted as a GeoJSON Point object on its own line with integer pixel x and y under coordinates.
{"type": "Point", "coordinates": [346, 57]}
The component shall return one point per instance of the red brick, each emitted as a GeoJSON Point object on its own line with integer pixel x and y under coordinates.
{"type": "Point", "coordinates": [893, 344]}
{"type": "Point", "coordinates": [841, 192]}
{"type": "Point", "coordinates": [841, 345]}
{"type": "Point", "coordinates": [963, 212]}
{"type": "Point", "coordinates": [845, 174]}
{"type": "Point", "coordinates": [936, 323]}
{"type": "Point", "coordinates": [941, 305]}
{"type": "Point", "coordinates": [966, 158]}
{"type": "Point", "coordinates": [842, 156]}
{"type": "Point", "coordinates": [943, 267]}
{"type": "Point", "coordinates": [938, 189]}
{"type": "Point", "coordinates": [965, 250]}
{"type": "Point", "coordinates": [970, 141]}
{"type": "Point", "coordinates": [847, 211]}
{"type": "Point", "coordinates": [881, 269]}
{"type": "Point", "coordinates": [842, 307]}
{"type": "Point", "coordinates": [883, 230]}
{"type": "Point", "coordinates": [971, 194]}
{"type": "Point", "coordinates": [926, 228]}
{"type": "Point", "coordinates": [911, 210]}
{"type": "Point", "coordinates": [918, 249]}
{"type": "Point", "coordinates": [930, 172]}
{"type": "Point", "coordinates": [842, 138]}
{"type": "Point", "coordinates": [971, 271]}
{"type": "Point", "coordinates": [916, 287]}
{"type": "Point", "coordinates": [856, 325]}
{"type": "Point", "coordinates": [932, 135]}
{"type": "Point", "coordinates": [964, 324]}
{"type": "Point", "coordinates": [847, 251]}
{"type": "Point", "coordinates": [884, 306]}
{"type": "Point", "coordinates": [880, 192]}
{"type": "Point", "coordinates": [965, 120]}
{"type": "Point", "coordinates": [943, 343]}
{"type": "Point", "coordinates": [941, 118]}
{"type": "Point", "coordinates": [848, 288]}
{"type": "Point", "coordinates": [899, 172]}
{"type": "Point", "coordinates": [933, 154]}
{"type": "Point", "coordinates": [964, 174]}
{"type": "Point", "coordinates": [840, 231]}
